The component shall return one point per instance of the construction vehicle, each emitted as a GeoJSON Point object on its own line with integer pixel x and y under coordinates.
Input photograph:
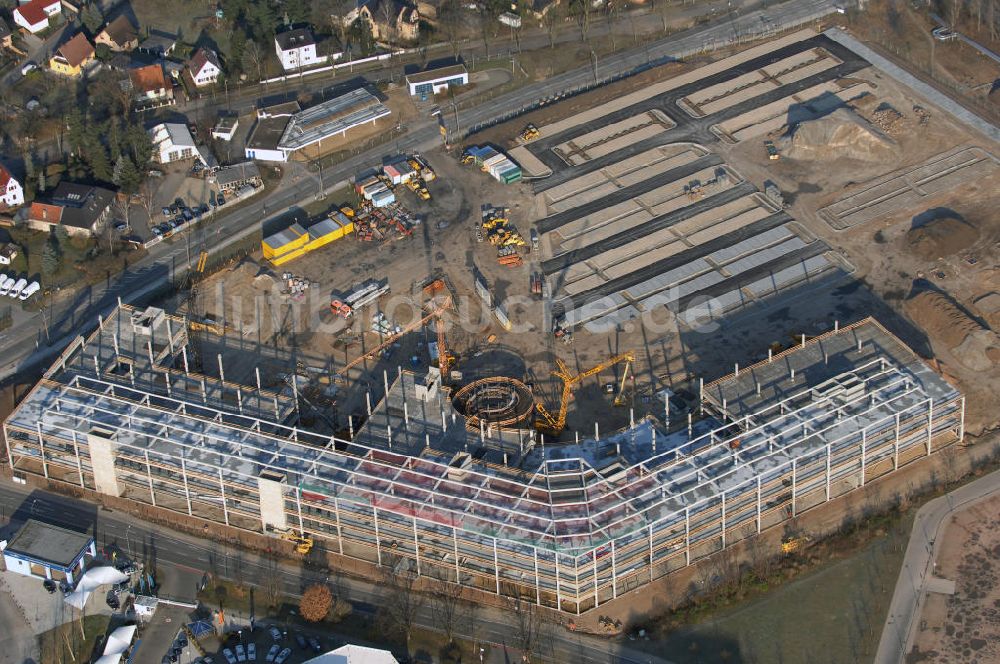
{"type": "Point", "coordinates": [793, 544]}
{"type": "Point", "coordinates": [417, 187]}
{"type": "Point", "coordinates": [340, 309]}
{"type": "Point", "coordinates": [468, 158]}
{"type": "Point", "coordinates": [420, 165]}
{"type": "Point", "coordinates": [530, 133]}
{"type": "Point", "coordinates": [694, 190]}
{"type": "Point", "coordinates": [302, 541]}
{"type": "Point", "coordinates": [392, 338]}
{"type": "Point", "coordinates": [772, 151]}
{"type": "Point", "coordinates": [620, 396]}
{"type": "Point", "coordinates": [554, 424]}
{"type": "Point", "coordinates": [536, 283]}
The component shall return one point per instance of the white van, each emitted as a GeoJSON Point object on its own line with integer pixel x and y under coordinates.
{"type": "Point", "coordinates": [30, 290]}
{"type": "Point", "coordinates": [18, 287]}
{"type": "Point", "coordinates": [6, 283]}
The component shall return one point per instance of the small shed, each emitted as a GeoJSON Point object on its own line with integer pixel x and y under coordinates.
{"type": "Point", "coordinates": [46, 551]}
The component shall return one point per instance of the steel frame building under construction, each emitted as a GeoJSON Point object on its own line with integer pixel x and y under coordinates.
{"type": "Point", "coordinates": [568, 526]}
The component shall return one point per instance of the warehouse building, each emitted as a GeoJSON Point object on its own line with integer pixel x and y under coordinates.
{"type": "Point", "coordinates": [569, 526]}
{"type": "Point", "coordinates": [284, 130]}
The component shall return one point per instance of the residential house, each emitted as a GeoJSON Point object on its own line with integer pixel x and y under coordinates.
{"type": "Point", "coordinates": [296, 49]}
{"type": "Point", "coordinates": [149, 85]}
{"type": "Point", "coordinates": [72, 56]}
{"type": "Point", "coordinates": [391, 20]}
{"type": "Point", "coordinates": [34, 16]}
{"type": "Point", "coordinates": [158, 43]}
{"type": "Point", "coordinates": [119, 35]}
{"type": "Point", "coordinates": [204, 68]}
{"type": "Point", "coordinates": [11, 191]}
{"type": "Point", "coordinates": [81, 209]}
{"type": "Point", "coordinates": [8, 253]}
{"type": "Point", "coordinates": [173, 142]}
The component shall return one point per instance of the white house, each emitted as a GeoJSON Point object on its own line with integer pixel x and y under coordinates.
{"type": "Point", "coordinates": [433, 81]}
{"type": "Point", "coordinates": [297, 49]}
{"type": "Point", "coordinates": [47, 551]}
{"type": "Point", "coordinates": [34, 16]}
{"type": "Point", "coordinates": [204, 68]}
{"type": "Point", "coordinates": [11, 191]}
{"type": "Point", "coordinates": [173, 142]}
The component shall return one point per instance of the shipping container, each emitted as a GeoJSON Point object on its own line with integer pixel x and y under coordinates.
{"type": "Point", "coordinates": [372, 190]}
{"type": "Point", "coordinates": [383, 198]}
{"type": "Point", "coordinates": [495, 159]}
{"type": "Point", "coordinates": [290, 239]}
{"type": "Point", "coordinates": [483, 290]}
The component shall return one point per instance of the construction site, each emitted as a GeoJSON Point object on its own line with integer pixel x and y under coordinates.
{"type": "Point", "coordinates": [579, 352]}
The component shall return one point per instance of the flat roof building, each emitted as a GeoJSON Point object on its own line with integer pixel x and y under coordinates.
{"type": "Point", "coordinates": [305, 128]}
{"type": "Point", "coordinates": [433, 81]}
{"type": "Point", "coordinates": [48, 552]}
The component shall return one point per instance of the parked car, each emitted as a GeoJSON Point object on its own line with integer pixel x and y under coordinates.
{"type": "Point", "coordinates": [282, 656]}
{"type": "Point", "coordinates": [49, 585]}
{"type": "Point", "coordinates": [301, 640]}
{"type": "Point", "coordinates": [187, 214]}
{"type": "Point", "coordinates": [241, 653]}
{"type": "Point", "coordinates": [28, 67]}
{"type": "Point", "coordinates": [316, 645]}
{"type": "Point", "coordinates": [252, 652]}
{"type": "Point", "coordinates": [220, 200]}
{"type": "Point", "coordinates": [944, 34]}
{"type": "Point", "coordinates": [275, 632]}
{"type": "Point", "coordinates": [121, 227]}
{"type": "Point", "coordinates": [228, 654]}
{"type": "Point", "coordinates": [272, 653]}
{"type": "Point", "coordinates": [165, 211]}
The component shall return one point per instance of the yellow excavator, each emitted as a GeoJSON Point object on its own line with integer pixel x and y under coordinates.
{"type": "Point", "coordinates": [530, 133]}
{"type": "Point", "coordinates": [553, 425]}
{"type": "Point", "coordinates": [302, 541]}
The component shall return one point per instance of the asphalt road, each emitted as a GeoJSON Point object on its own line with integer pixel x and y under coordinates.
{"type": "Point", "coordinates": [26, 346]}
{"type": "Point", "coordinates": [921, 552]}
{"type": "Point", "coordinates": [193, 554]}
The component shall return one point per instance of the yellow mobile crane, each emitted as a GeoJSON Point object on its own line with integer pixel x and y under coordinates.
{"type": "Point", "coordinates": [553, 425]}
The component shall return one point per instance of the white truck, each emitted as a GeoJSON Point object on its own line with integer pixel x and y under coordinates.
{"type": "Point", "coordinates": [30, 290]}
{"type": "Point", "coordinates": [6, 283]}
{"type": "Point", "coordinates": [15, 292]}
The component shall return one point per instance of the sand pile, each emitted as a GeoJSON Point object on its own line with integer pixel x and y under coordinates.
{"type": "Point", "coordinates": [972, 345]}
{"type": "Point", "coordinates": [840, 135]}
{"type": "Point", "coordinates": [941, 237]}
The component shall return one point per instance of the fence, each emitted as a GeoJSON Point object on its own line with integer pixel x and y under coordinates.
{"type": "Point", "coordinates": [628, 70]}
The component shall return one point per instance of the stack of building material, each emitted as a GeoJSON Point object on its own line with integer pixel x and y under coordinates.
{"type": "Point", "coordinates": [494, 162]}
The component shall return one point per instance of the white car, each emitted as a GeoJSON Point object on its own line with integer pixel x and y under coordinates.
{"type": "Point", "coordinates": [944, 34]}
{"type": "Point", "coordinates": [6, 285]}
{"type": "Point", "coordinates": [282, 656]}
{"type": "Point", "coordinates": [30, 290]}
{"type": "Point", "coordinates": [228, 654]}
{"type": "Point", "coordinates": [15, 291]}
{"type": "Point", "coordinates": [27, 68]}
{"type": "Point", "coordinates": [272, 653]}
{"type": "Point", "coordinates": [241, 653]}
{"type": "Point", "coordinates": [252, 652]}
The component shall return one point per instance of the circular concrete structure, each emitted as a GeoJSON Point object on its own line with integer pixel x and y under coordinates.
{"type": "Point", "coordinates": [497, 402]}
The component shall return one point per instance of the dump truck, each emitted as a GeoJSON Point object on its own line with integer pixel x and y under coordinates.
{"type": "Point", "coordinates": [530, 133]}
{"type": "Point", "coordinates": [772, 151]}
{"type": "Point", "coordinates": [536, 283]}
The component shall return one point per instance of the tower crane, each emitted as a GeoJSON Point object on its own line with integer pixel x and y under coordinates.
{"type": "Point", "coordinates": [435, 313]}
{"type": "Point", "coordinates": [553, 425]}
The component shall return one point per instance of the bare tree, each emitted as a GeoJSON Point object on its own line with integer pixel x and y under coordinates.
{"type": "Point", "coordinates": [388, 10]}
{"type": "Point", "coordinates": [446, 598]}
{"type": "Point", "coordinates": [527, 626]}
{"type": "Point", "coordinates": [551, 19]}
{"type": "Point", "coordinates": [451, 22]}
{"type": "Point", "coordinates": [583, 10]}
{"type": "Point", "coordinates": [271, 583]}
{"type": "Point", "coordinates": [402, 600]}
{"type": "Point", "coordinates": [253, 56]}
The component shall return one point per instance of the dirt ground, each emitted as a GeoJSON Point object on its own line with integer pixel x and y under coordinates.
{"type": "Point", "coordinates": [964, 627]}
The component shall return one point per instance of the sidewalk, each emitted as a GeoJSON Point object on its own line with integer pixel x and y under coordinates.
{"type": "Point", "coordinates": [921, 552]}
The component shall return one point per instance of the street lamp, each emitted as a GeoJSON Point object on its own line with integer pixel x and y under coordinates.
{"type": "Point", "coordinates": [128, 542]}
{"type": "Point", "coordinates": [482, 651]}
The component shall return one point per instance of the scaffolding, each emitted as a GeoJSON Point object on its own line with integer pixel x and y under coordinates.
{"type": "Point", "coordinates": [569, 526]}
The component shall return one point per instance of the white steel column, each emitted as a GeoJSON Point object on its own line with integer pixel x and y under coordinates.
{"type": "Point", "coordinates": [597, 601]}
{"type": "Point", "coordinates": [378, 540]}
{"type": "Point", "coordinates": [650, 553]}
{"type": "Point", "coordinates": [79, 464]}
{"type": "Point", "coordinates": [149, 478]}
{"type": "Point", "coordinates": [458, 577]}
{"type": "Point", "coordinates": [829, 453]}
{"type": "Point", "coordinates": [687, 535]}
{"type": "Point", "coordinates": [222, 489]}
{"type": "Point", "coordinates": [930, 424]}
{"type": "Point", "coordinates": [723, 520]}
{"type": "Point", "coordinates": [336, 515]}
{"type": "Point", "coordinates": [538, 583]}
{"type": "Point", "coordinates": [794, 464]}
{"type": "Point", "coordinates": [187, 490]}
{"type": "Point", "coordinates": [416, 545]}
{"type": "Point", "coordinates": [41, 448]}
{"type": "Point", "coordinates": [895, 446]}
{"type": "Point", "coordinates": [298, 508]}
{"type": "Point", "coordinates": [758, 504]}
{"type": "Point", "coordinates": [961, 422]}
{"type": "Point", "coordinates": [496, 565]}
{"type": "Point", "coordinates": [614, 572]}
{"type": "Point", "coordinates": [864, 452]}
{"type": "Point", "coordinates": [558, 590]}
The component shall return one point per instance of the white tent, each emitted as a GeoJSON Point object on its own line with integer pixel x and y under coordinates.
{"type": "Point", "coordinates": [117, 645]}
{"type": "Point", "coordinates": [351, 654]}
{"type": "Point", "coordinates": [93, 578]}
